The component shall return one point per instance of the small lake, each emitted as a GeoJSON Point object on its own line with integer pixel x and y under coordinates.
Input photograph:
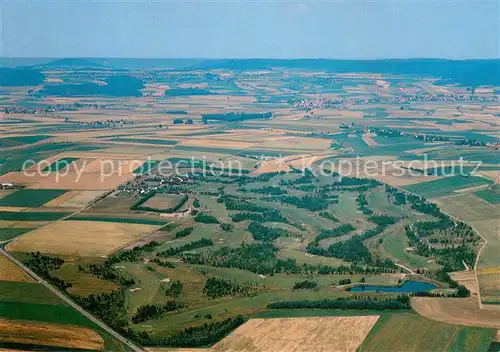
{"type": "Point", "coordinates": [406, 287]}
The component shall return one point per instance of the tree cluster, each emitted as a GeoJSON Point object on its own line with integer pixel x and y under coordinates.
{"type": "Point", "coordinates": [361, 303]}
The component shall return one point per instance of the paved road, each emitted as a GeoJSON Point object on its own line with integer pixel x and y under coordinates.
{"type": "Point", "coordinates": [71, 303]}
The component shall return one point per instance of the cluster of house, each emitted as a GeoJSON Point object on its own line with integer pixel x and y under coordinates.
{"type": "Point", "coordinates": [49, 108]}
{"type": "Point", "coordinates": [325, 103]}
{"type": "Point", "coordinates": [10, 185]}
{"type": "Point", "coordinates": [146, 184]}
{"type": "Point", "coordinates": [103, 123]}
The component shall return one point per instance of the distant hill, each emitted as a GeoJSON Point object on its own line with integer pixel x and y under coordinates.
{"type": "Point", "coordinates": [71, 62]}
{"type": "Point", "coordinates": [465, 72]}
{"type": "Point", "coordinates": [22, 76]}
{"type": "Point", "coordinates": [116, 86]}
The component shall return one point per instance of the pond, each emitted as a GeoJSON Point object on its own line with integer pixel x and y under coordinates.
{"type": "Point", "coordinates": [406, 287]}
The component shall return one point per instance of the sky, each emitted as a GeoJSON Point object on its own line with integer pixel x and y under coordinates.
{"type": "Point", "coordinates": [251, 29]}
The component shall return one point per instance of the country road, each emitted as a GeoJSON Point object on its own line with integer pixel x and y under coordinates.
{"type": "Point", "coordinates": [406, 268]}
{"type": "Point", "coordinates": [71, 303]}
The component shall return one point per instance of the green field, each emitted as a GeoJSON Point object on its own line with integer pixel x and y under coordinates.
{"type": "Point", "coordinates": [31, 198]}
{"type": "Point", "coordinates": [145, 141]}
{"type": "Point", "coordinates": [7, 142]}
{"type": "Point", "coordinates": [27, 292]}
{"type": "Point", "coordinates": [60, 164]}
{"type": "Point", "coordinates": [445, 186]}
{"type": "Point", "coordinates": [32, 215]}
{"type": "Point", "coordinates": [489, 196]}
{"type": "Point", "coordinates": [411, 332]}
{"type": "Point", "coordinates": [9, 233]}
{"type": "Point", "coordinates": [118, 219]}
{"type": "Point", "coordinates": [144, 168]}
{"type": "Point", "coordinates": [49, 313]}
{"type": "Point", "coordinates": [58, 314]}
{"type": "Point", "coordinates": [407, 331]}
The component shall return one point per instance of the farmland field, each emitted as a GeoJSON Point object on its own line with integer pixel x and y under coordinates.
{"type": "Point", "coordinates": [300, 334]}
{"type": "Point", "coordinates": [9, 233]}
{"type": "Point", "coordinates": [412, 333]}
{"type": "Point", "coordinates": [17, 141]}
{"type": "Point", "coordinates": [85, 237]}
{"type": "Point", "coordinates": [30, 197]}
{"type": "Point", "coordinates": [20, 332]}
{"type": "Point", "coordinates": [32, 215]}
{"type": "Point", "coordinates": [163, 201]}
{"type": "Point", "coordinates": [10, 272]}
{"type": "Point", "coordinates": [60, 164]}
{"type": "Point", "coordinates": [445, 186]}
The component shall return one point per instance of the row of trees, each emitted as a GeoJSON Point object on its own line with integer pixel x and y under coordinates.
{"type": "Point", "coordinates": [400, 302]}
{"type": "Point", "coordinates": [173, 251]}
{"type": "Point", "coordinates": [311, 202]}
{"type": "Point", "coordinates": [184, 232]}
{"type": "Point", "coordinates": [175, 289]}
{"type": "Point", "coordinates": [133, 254]}
{"type": "Point", "coordinates": [336, 232]}
{"type": "Point", "coordinates": [196, 336]}
{"type": "Point", "coordinates": [328, 216]}
{"type": "Point", "coordinates": [43, 265]}
{"type": "Point", "coordinates": [216, 287]}
{"type": "Point", "coordinates": [264, 233]}
{"type": "Point", "coordinates": [151, 311]}
{"type": "Point", "coordinates": [268, 216]}
{"type": "Point", "coordinates": [241, 204]}
{"type": "Point", "coordinates": [305, 285]}
{"type": "Point", "coordinates": [205, 218]}
{"type": "Point", "coordinates": [261, 258]}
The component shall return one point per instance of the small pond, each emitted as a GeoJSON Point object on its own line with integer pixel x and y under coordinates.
{"type": "Point", "coordinates": [406, 287]}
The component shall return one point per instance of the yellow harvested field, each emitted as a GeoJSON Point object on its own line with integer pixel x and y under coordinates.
{"type": "Point", "coordinates": [11, 272]}
{"type": "Point", "coordinates": [81, 199]}
{"type": "Point", "coordinates": [72, 180]}
{"type": "Point", "coordinates": [34, 333]}
{"type": "Point", "coordinates": [459, 311]}
{"type": "Point", "coordinates": [306, 161]}
{"type": "Point", "coordinates": [61, 199]}
{"type": "Point", "coordinates": [491, 174]}
{"type": "Point", "coordinates": [299, 334]}
{"type": "Point", "coordinates": [6, 223]}
{"type": "Point", "coordinates": [286, 163]}
{"type": "Point", "coordinates": [273, 165]}
{"type": "Point", "coordinates": [82, 238]}
{"type": "Point", "coordinates": [368, 138]}
{"type": "Point", "coordinates": [471, 189]}
{"type": "Point", "coordinates": [300, 143]}
{"type": "Point", "coordinates": [108, 166]}
{"type": "Point", "coordinates": [466, 278]}
{"type": "Point", "coordinates": [489, 271]}
{"type": "Point", "coordinates": [22, 224]}
{"type": "Point", "coordinates": [5, 192]}
{"type": "Point", "coordinates": [16, 209]}
{"type": "Point", "coordinates": [215, 143]}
